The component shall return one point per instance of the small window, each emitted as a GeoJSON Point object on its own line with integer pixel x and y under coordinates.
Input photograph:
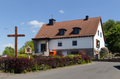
{"type": "Point", "coordinates": [60, 44]}
{"type": "Point", "coordinates": [76, 31]}
{"type": "Point", "coordinates": [98, 32]}
{"type": "Point", "coordinates": [61, 32]}
{"type": "Point", "coordinates": [74, 43]}
{"type": "Point", "coordinates": [97, 43]}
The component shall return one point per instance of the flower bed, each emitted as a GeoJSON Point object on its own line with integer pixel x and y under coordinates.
{"type": "Point", "coordinates": [21, 65]}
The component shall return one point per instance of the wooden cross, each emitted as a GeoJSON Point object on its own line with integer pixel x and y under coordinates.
{"type": "Point", "coordinates": [16, 35]}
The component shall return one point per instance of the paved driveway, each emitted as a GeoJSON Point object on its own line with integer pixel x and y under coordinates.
{"type": "Point", "coordinates": [95, 70]}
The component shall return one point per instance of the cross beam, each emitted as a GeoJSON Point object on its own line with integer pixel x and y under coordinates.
{"type": "Point", "coordinates": [16, 35]}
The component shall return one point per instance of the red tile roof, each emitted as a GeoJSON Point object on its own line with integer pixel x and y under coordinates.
{"type": "Point", "coordinates": [88, 28]}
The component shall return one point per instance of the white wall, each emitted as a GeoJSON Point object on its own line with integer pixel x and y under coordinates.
{"type": "Point", "coordinates": [83, 42]}
{"type": "Point", "coordinates": [39, 45]}
{"type": "Point", "coordinates": [101, 39]}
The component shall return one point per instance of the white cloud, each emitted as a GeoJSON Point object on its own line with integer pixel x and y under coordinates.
{"type": "Point", "coordinates": [61, 11]}
{"type": "Point", "coordinates": [34, 31]}
{"type": "Point", "coordinates": [35, 24]}
{"type": "Point", "coordinates": [8, 45]}
{"type": "Point", "coordinates": [22, 23]}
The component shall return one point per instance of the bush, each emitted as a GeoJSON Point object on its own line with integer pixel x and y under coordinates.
{"type": "Point", "coordinates": [81, 52]}
{"type": "Point", "coordinates": [24, 56]}
{"type": "Point", "coordinates": [105, 55]}
{"type": "Point", "coordinates": [20, 65]}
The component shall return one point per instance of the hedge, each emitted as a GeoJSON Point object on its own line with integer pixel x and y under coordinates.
{"type": "Point", "coordinates": [20, 65]}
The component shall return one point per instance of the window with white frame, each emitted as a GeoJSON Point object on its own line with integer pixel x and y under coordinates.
{"type": "Point", "coordinates": [98, 32]}
{"type": "Point", "coordinates": [59, 43]}
{"type": "Point", "coordinates": [74, 43]}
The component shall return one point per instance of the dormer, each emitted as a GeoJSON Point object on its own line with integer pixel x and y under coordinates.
{"type": "Point", "coordinates": [62, 31]}
{"type": "Point", "coordinates": [76, 30]}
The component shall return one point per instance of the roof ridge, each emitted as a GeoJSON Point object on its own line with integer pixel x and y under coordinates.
{"type": "Point", "coordinates": [79, 19]}
{"type": "Point", "coordinates": [74, 20]}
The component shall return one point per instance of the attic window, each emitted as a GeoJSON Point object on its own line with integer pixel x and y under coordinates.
{"type": "Point", "coordinates": [76, 30]}
{"type": "Point", "coordinates": [61, 31]}
{"type": "Point", "coordinates": [98, 32]}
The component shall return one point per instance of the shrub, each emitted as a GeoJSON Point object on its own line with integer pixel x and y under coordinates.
{"type": "Point", "coordinates": [20, 65]}
{"type": "Point", "coordinates": [81, 52]}
{"type": "Point", "coordinates": [24, 56]}
{"type": "Point", "coordinates": [104, 55]}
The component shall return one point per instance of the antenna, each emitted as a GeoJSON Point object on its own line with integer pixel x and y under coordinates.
{"type": "Point", "coordinates": [52, 16]}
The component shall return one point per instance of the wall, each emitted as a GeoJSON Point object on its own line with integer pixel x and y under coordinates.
{"type": "Point", "coordinates": [39, 44]}
{"type": "Point", "coordinates": [45, 53]}
{"type": "Point", "coordinates": [83, 42]}
{"type": "Point", "coordinates": [101, 39]}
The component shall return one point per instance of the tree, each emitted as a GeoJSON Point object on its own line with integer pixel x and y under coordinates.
{"type": "Point", "coordinates": [112, 35]}
{"type": "Point", "coordinates": [9, 51]}
{"type": "Point", "coordinates": [28, 43]}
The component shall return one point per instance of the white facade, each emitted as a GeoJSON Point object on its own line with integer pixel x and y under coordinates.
{"type": "Point", "coordinates": [99, 37]}
{"type": "Point", "coordinates": [83, 42]}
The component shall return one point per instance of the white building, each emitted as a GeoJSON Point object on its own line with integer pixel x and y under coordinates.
{"type": "Point", "coordinates": [69, 37]}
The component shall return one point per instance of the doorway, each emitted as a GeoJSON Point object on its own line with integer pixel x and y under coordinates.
{"type": "Point", "coordinates": [43, 47]}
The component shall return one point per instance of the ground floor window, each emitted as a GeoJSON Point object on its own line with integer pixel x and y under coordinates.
{"type": "Point", "coordinates": [59, 43]}
{"type": "Point", "coordinates": [74, 43]}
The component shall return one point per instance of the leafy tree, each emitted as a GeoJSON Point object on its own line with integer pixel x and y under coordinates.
{"type": "Point", "coordinates": [112, 35]}
{"type": "Point", "coordinates": [28, 43]}
{"type": "Point", "coordinates": [9, 51]}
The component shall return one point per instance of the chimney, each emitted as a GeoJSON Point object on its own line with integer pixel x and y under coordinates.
{"type": "Point", "coordinates": [51, 21]}
{"type": "Point", "coordinates": [86, 17]}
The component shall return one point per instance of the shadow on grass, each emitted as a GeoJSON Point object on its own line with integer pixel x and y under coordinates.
{"type": "Point", "coordinates": [118, 67]}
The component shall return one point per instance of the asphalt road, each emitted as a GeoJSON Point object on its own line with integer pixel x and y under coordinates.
{"type": "Point", "coordinates": [95, 70]}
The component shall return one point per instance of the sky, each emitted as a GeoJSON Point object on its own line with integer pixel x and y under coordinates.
{"type": "Point", "coordinates": [29, 15]}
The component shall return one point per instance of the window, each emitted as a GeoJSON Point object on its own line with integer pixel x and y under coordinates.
{"type": "Point", "coordinates": [60, 44]}
{"type": "Point", "coordinates": [61, 31]}
{"type": "Point", "coordinates": [76, 31]}
{"type": "Point", "coordinates": [97, 43]}
{"type": "Point", "coordinates": [98, 32]}
{"type": "Point", "coordinates": [74, 43]}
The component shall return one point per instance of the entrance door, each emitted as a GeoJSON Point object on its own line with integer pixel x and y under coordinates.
{"type": "Point", "coordinates": [43, 47]}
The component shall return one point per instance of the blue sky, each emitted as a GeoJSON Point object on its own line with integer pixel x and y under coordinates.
{"type": "Point", "coordinates": [29, 15]}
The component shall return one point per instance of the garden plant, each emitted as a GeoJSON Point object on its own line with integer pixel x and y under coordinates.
{"type": "Point", "coordinates": [22, 65]}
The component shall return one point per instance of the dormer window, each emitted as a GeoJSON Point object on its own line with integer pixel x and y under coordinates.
{"type": "Point", "coordinates": [76, 30]}
{"type": "Point", "coordinates": [61, 31]}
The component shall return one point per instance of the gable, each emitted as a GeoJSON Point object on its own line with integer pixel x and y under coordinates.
{"type": "Point", "coordinates": [99, 36]}
{"type": "Point", "coordinates": [88, 28]}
